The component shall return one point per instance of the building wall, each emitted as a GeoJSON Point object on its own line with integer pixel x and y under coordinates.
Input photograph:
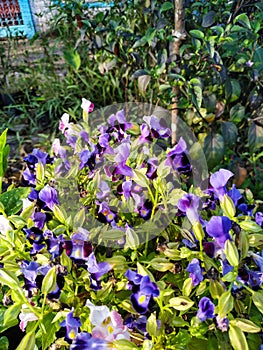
{"type": "Point", "coordinates": [40, 13]}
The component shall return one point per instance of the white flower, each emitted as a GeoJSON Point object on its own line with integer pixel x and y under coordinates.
{"type": "Point", "coordinates": [108, 324]}
{"type": "Point", "coordinates": [26, 316]}
{"type": "Point", "coordinates": [64, 124]}
{"type": "Point", "coordinates": [4, 225]}
{"type": "Point", "coordinates": [26, 203]}
{"type": "Point", "coordinates": [87, 106]}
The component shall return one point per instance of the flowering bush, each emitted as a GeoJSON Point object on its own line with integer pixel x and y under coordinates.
{"type": "Point", "coordinates": [108, 245]}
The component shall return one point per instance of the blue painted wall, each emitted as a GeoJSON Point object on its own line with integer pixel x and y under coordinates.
{"type": "Point", "coordinates": [27, 29]}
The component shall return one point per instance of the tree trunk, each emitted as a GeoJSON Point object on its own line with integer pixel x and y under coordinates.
{"type": "Point", "coordinates": [179, 36]}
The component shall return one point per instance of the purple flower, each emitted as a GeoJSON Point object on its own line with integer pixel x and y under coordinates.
{"type": "Point", "coordinates": [189, 204]}
{"type": "Point", "coordinates": [146, 210]}
{"type": "Point", "coordinates": [234, 194]}
{"type": "Point", "coordinates": [106, 213]}
{"type": "Point", "coordinates": [96, 270]}
{"type": "Point", "coordinates": [42, 157]}
{"type": "Point", "coordinates": [84, 341]}
{"type": "Point", "coordinates": [72, 325]}
{"type": "Point", "coordinates": [177, 158]}
{"type": "Point", "coordinates": [209, 249]}
{"type": "Point", "coordinates": [54, 244]}
{"type": "Point", "coordinates": [143, 291]}
{"type": "Point", "coordinates": [122, 153]}
{"type": "Point", "coordinates": [48, 195]}
{"type": "Point", "coordinates": [246, 209]}
{"type": "Point", "coordinates": [195, 271]}
{"type": "Point", "coordinates": [138, 324]}
{"type": "Point", "coordinates": [134, 278]}
{"type": "Point", "coordinates": [152, 166]}
{"type": "Point", "coordinates": [88, 158]}
{"type": "Point", "coordinates": [29, 176]}
{"type": "Point", "coordinates": [78, 248]}
{"type": "Point", "coordinates": [226, 267]}
{"type": "Point", "coordinates": [38, 156]}
{"type": "Point", "coordinates": [31, 271]}
{"type": "Point", "coordinates": [219, 180]}
{"type": "Point", "coordinates": [31, 161]}
{"type": "Point", "coordinates": [119, 123]}
{"type": "Point", "coordinates": [127, 187]}
{"type": "Point", "coordinates": [39, 219]}
{"type": "Point", "coordinates": [218, 227]}
{"type": "Point", "coordinates": [259, 218]}
{"type": "Point", "coordinates": [33, 195]}
{"type": "Point", "coordinates": [154, 128]}
{"type": "Point", "coordinates": [258, 259]}
{"type": "Point", "coordinates": [36, 238]}
{"type": "Point", "coordinates": [206, 309]}
{"type": "Point", "coordinates": [104, 190]}
{"type": "Point", "coordinates": [253, 279]}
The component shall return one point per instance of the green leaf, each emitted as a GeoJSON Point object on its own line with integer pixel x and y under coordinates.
{"type": "Point", "coordinates": [12, 313]}
{"type": "Point", "coordinates": [79, 218]}
{"type": "Point", "coordinates": [232, 90]}
{"type": "Point", "coordinates": [243, 20]}
{"type": "Point", "coordinates": [49, 281]}
{"type": "Point", "coordinates": [140, 178]}
{"type": "Point", "coordinates": [151, 325]}
{"type": "Point", "coordinates": [225, 304]}
{"type": "Point", "coordinates": [237, 113]}
{"type": "Point", "coordinates": [18, 221]}
{"type": "Point", "coordinates": [12, 200]}
{"type": "Point", "coordinates": [124, 344]}
{"type": "Point", "coordinates": [213, 149]}
{"type": "Point", "coordinates": [140, 72]}
{"type": "Point", "coordinates": [28, 342]}
{"type": "Point", "coordinates": [140, 42]}
{"type": "Point", "coordinates": [8, 278]}
{"type": "Point", "coordinates": [250, 226]}
{"type": "Point", "coordinates": [4, 343]}
{"type": "Point", "coordinates": [51, 328]}
{"type": "Point", "coordinates": [187, 287]}
{"type": "Point", "coordinates": [60, 214]}
{"type": "Point", "coordinates": [228, 206]}
{"type": "Point", "coordinates": [197, 34]}
{"type": "Point", "coordinates": [231, 253]}
{"type": "Point", "coordinates": [161, 264]}
{"type": "Point", "coordinates": [132, 239]}
{"type": "Point", "coordinates": [27, 212]}
{"type": "Point", "coordinates": [113, 235]}
{"type": "Point", "coordinates": [229, 133]}
{"type": "Point", "coordinates": [258, 59]}
{"type": "Point", "coordinates": [245, 325]}
{"type": "Point", "coordinates": [2, 147]}
{"type": "Point", "coordinates": [243, 244]}
{"type": "Point", "coordinates": [181, 303]}
{"type": "Point", "coordinates": [143, 82]}
{"type": "Point", "coordinates": [255, 137]}
{"type": "Point", "coordinates": [255, 240]}
{"type": "Point", "coordinates": [5, 158]}
{"type": "Point", "coordinates": [167, 6]}
{"type": "Point", "coordinates": [237, 338]}
{"type": "Point", "coordinates": [257, 298]}
{"type": "Point", "coordinates": [208, 19]}
{"type": "Point", "coordinates": [40, 172]}
{"type": "Point", "coordinates": [73, 59]}
{"type": "Point", "coordinates": [216, 289]}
